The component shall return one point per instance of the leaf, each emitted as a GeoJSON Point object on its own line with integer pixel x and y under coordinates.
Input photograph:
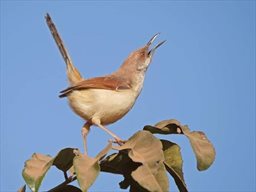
{"type": "Point", "coordinates": [22, 189]}
{"type": "Point", "coordinates": [173, 163]}
{"type": "Point", "coordinates": [118, 163]}
{"type": "Point", "coordinates": [165, 127]}
{"type": "Point", "coordinates": [112, 164]}
{"type": "Point", "coordinates": [68, 188]}
{"type": "Point", "coordinates": [104, 151]}
{"type": "Point", "coordinates": [144, 176]}
{"type": "Point", "coordinates": [87, 168]}
{"type": "Point", "coordinates": [71, 171]}
{"type": "Point", "coordinates": [146, 149]}
{"type": "Point", "coordinates": [35, 169]}
{"type": "Point", "coordinates": [162, 178]}
{"type": "Point", "coordinates": [202, 147]}
{"type": "Point", "coordinates": [64, 159]}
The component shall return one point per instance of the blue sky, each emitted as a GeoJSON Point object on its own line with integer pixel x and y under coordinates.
{"type": "Point", "coordinates": [203, 76]}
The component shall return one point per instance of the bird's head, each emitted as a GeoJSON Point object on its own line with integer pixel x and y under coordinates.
{"type": "Point", "coordinates": [142, 57]}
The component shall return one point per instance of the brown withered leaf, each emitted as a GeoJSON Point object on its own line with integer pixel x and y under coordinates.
{"type": "Point", "coordinates": [68, 188]}
{"type": "Point", "coordinates": [64, 159]}
{"type": "Point", "coordinates": [151, 181]}
{"type": "Point", "coordinates": [146, 149]}
{"type": "Point", "coordinates": [71, 171]}
{"type": "Point", "coordinates": [120, 163]}
{"type": "Point", "coordinates": [87, 168]}
{"type": "Point", "coordinates": [202, 147]}
{"type": "Point", "coordinates": [165, 127]}
{"type": "Point", "coordinates": [173, 163]}
{"type": "Point", "coordinates": [113, 164]}
{"type": "Point", "coordinates": [35, 169]}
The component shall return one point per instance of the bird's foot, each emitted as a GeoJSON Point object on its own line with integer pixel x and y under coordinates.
{"type": "Point", "coordinates": [118, 141]}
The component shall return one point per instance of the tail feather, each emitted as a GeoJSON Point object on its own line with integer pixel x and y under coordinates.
{"type": "Point", "coordinates": [72, 73]}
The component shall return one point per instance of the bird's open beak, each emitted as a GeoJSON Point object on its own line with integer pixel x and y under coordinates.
{"type": "Point", "coordinates": [151, 52]}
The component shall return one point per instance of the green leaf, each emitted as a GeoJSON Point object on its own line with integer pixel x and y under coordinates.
{"type": "Point", "coordinates": [146, 149]}
{"type": "Point", "coordinates": [165, 127]}
{"type": "Point", "coordinates": [22, 189]}
{"type": "Point", "coordinates": [173, 163]}
{"type": "Point", "coordinates": [64, 159]}
{"type": "Point", "coordinates": [87, 168]}
{"type": "Point", "coordinates": [35, 169]}
{"type": "Point", "coordinates": [202, 147]}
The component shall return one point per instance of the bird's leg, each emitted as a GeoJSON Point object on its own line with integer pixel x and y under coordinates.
{"type": "Point", "coordinates": [117, 139]}
{"type": "Point", "coordinates": [85, 131]}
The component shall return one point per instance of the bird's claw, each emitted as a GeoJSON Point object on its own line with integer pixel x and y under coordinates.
{"type": "Point", "coordinates": [118, 141]}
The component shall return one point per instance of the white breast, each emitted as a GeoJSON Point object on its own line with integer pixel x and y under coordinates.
{"type": "Point", "coordinates": [107, 105]}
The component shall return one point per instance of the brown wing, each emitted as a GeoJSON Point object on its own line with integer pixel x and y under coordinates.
{"type": "Point", "coordinates": [108, 82]}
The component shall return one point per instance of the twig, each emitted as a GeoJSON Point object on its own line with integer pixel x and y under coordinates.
{"type": "Point", "coordinates": [65, 175]}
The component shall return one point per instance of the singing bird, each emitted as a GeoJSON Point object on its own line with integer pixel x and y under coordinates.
{"type": "Point", "coordinates": [104, 100]}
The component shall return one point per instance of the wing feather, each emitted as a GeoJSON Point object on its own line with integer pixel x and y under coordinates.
{"type": "Point", "coordinates": [108, 82]}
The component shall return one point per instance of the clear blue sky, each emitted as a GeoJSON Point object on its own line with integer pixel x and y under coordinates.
{"type": "Point", "coordinates": [204, 76]}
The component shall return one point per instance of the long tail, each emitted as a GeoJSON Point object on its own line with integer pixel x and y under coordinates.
{"type": "Point", "coordinates": [72, 73]}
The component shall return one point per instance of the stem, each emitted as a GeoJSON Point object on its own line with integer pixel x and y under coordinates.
{"type": "Point", "coordinates": [65, 175]}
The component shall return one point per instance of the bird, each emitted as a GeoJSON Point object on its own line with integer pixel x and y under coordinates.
{"type": "Point", "coordinates": [101, 101]}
